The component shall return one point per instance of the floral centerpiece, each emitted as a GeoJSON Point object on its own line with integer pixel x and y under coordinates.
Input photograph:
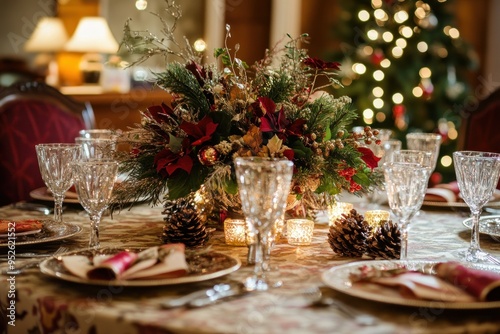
{"type": "Point", "coordinates": [274, 108]}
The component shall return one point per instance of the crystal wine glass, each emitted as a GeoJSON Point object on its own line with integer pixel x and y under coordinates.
{"type": "Point", "coordinates": [54, 161]}
{"type": "Point", "coordinates": [264, 185]}
{"type": "Point", "coordinates": [423, 158]}
{"type": "Point", "coordinates": [406, 184]}
{"type": "Point", "coordinates": [477, 176]}
{"type": "Point", "coordinates": [429, 142]}
{"type": "Point", "coordinates": [94, 181]}
{"type": "Point", "coordinates": [97, 148]}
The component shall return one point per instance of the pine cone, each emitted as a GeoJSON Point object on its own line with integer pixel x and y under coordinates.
{"type": "Point", "coordinates": [182, 224]}
{"type": "Point", "coordinates": [385, 241]}
{"type": "Point", "coordinates": [347, 236]}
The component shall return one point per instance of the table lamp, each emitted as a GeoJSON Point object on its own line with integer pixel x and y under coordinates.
{"type": "Point", "coordinates": [48, 38]}
{"type": "Point", "coordinates": [93, 38]}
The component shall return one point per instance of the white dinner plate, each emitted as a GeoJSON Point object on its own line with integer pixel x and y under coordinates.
{"type": "Point", "coordinates": [202, 266]}
{"type": "Point", "coordinates": [338, 279]}
{"type": "Point", "coordinates": [51, 231]}
{"type": "Point", "coordinates": [494, 203]}
{"type": "Point", "coordinates": [489, 225]}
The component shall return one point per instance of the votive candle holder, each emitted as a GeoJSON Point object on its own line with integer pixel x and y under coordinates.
{"type": "Point", "coordinates": [299, 231]}
{"type": "Point", "coordinates": [336, 210]}
{"type": "Point", "coordinates": [235, 232]}
{"type": "Point", "coordinates": [375, 217]}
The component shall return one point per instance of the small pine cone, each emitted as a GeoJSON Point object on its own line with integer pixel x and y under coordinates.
{"type": "Point", "coordinates": [347, 236]}
{"type": "Point", "coordinates": [385, 241]}
{"type": "Point", "coordinates": [182, 224]}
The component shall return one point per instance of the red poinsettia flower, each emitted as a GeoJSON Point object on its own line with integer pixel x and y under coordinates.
{"type": "Point", "coordinates": [368, 157]}
{"type": "Point", "coordinates": [201, 131]}
{"type": "Point", "coordinates": [161, 113]}
{"type": "Point", "coordinates": [198, 71]}
{"type": "Point", "coordinates": [270, 119]}
{"type": "Point", "coordinates": [167, 161]}
{"type": "Point", "coordinates": [321, 64]}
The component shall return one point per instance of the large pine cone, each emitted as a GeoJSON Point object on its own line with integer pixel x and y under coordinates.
{"type": "Point", "coordinates": [347, 236]}
{"type": "Point", "coordinates": [182, 224]}
{"type": "Point", "coordinates": [385, 241]}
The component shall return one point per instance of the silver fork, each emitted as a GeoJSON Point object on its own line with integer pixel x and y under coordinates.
{"type": "Point", "coordinates": [322, 300]}
{"type": "Point", "coordinates": [492, 259]}
{"type": "Point", "coordinates": [31, 264]}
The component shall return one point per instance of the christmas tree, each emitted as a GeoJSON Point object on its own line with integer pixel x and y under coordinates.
{"type": "Point", "coordinates": [405, 64]}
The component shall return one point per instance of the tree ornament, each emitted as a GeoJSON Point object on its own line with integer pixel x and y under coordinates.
{"type": "Point", "coordinates": [208, 156]}
{"type": "Point", "coordinates": [347, 236]}
{"type": "Point", "coordinates": [377, 57]}
{"type": "Point", "coordinates": [182, 223]}
{"type": "Point", "coordinates": [385, 241]}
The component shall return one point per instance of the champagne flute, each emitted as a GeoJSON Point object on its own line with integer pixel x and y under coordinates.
{"type": "Point", "coordinates": [477, 176]}
{"type": "Point", "coordinates": [264, 185]}
{"type": "Point", "coordinates": [94, 181]}
{"type": "Point", "coordinates": [54, 161]}
{"type": "Point", "coordinates": [406, 184]}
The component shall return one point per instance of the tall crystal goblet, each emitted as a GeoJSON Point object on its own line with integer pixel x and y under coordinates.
{"type": "Point", "coordinates": [406, 184]}
{"type": "Point", "coordinates": [54, 161]}
{"type": "Point", "coordinates": [423, 158]}
{"type": "Point", "coordinates": [477, 175]}
{"type": "Point", "coordinates": [264, 185]}
{"type": "Point", "coordinates": [94, 181]}
{"type": "Point", "coordinates": [429, 142]}
{"type": "Point", "coordinates": [97, 148]}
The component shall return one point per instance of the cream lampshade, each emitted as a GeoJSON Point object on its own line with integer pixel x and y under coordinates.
{"type": "Point", "coordinates": [92, 37]}
{"type": "Point", "coordinates": [48, 38]}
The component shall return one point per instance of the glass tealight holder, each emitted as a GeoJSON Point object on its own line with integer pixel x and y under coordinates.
{"type": "Point", "coordinates": [337, 209]}
{"type": "Point", "coordinates": [375, 217]}
{"type": "Point", "coordinates": [299, 231]}
{"type": "Point", "coordinates": [235, 232]}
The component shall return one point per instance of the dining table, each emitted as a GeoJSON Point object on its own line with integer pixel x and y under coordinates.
{"type": "Point", "coordinates": [50, 304]}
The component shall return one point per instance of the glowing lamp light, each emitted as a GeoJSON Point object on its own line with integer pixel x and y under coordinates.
{"type": "Point", "coordinates": [381, 15]}
{"type": "Point", "coordinates": [359, 68]}
{"type": "Point", "coordinates": [368, 114]}
{"type": "Point", "coordinates": [454, 33]}
{"type": "Point", "coordinates": [200, 45]}
{"type": "Point", "coordinates": [406, 32]}
{"type": "Point", "coordinates": [141, 4]}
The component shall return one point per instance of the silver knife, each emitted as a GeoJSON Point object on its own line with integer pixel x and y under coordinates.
{"type": "Point", "coordinates": [199, 294]}
{"type": "Point", "coordinates": [234, 290]}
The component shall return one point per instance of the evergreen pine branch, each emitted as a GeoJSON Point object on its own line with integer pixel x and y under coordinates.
{"type": "Point", "coordinates": [180, 80]}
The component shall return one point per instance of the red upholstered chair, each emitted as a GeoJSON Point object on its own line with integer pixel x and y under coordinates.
{"type": "Point", "coordinates": [480, 130]}
{"type": "Point", "coordinates": [33, 113]}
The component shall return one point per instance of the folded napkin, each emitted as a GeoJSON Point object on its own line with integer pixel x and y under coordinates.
{"type": "Point", "coordinates": [446, 192]}
{"type": "Point", "coordinates": [452, 283]}
{"type": "Point", "coordinates": [166, 261]}
{"type": "Point", "coordinates": [18, 226]}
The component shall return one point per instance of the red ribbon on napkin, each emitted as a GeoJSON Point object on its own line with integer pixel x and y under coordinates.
{"type": "Point", "coordinates": [484, 285]}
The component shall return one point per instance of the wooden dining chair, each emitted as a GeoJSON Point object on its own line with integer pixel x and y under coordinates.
{"type": "Point", "coordinates": [479, 130]}
{"type": "Point", "coordinates": [31, 113]}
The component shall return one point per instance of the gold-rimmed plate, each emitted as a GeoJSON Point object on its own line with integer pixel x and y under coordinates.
{"type": "Point", "coordinates": [338, 278]}
{"type": "Point", "coordinates": [203, 266]}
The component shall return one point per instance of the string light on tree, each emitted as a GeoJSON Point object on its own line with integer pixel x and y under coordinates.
{"type": "Point", "coordinates": [410, 57]}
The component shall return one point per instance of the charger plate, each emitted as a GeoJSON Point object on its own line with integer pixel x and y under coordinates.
{"type": "Point", "coordinates": [338, 279]}
{"type": "Point", "coordinates": [202, 266]}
